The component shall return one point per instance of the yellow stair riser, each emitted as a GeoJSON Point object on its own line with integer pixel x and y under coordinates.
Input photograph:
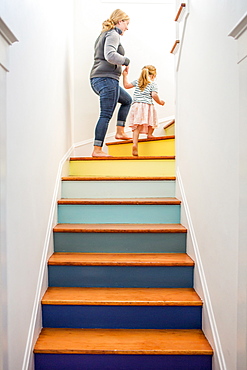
{"type": "Point", "coordinates": [124, 168]}
{"type": "Point", "coordinates": [170, 130]}
{"type": "Point", "coordinates": [150, 148]}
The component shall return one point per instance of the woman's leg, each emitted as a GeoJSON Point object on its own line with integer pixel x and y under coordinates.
{"type": "Point", "coordinates": [125, 100]}
{"type": "Point", "coordinates": [108, 91]}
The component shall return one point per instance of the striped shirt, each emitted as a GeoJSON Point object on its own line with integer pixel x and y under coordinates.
{"type": "Point", "coordinates": [144, 96]}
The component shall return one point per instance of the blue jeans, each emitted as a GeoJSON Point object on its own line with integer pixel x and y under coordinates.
{"type": "Point", "coordinates": [110, 94]}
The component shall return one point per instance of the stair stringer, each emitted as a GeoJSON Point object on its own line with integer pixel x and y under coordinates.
{"type": "Point", "coordinates": [200, 283]}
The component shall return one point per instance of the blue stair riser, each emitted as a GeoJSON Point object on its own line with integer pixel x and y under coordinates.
{"type": "Point", "coordinates": [122, 317]}
{"type": "Point", "coordinates": [102, 214]}
{"type": "Point", "coordinates": [118, 189]}
{"type": "Point", "coordinates": [122, 362]}
{"type": "Point", "coordinates": [121, 276]}
{"type": "Point", "coordinates": [120, 242]}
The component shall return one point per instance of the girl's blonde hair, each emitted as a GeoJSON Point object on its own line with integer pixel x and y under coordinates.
{"type": "Point", "coordinates": [144, 78]}
{"type": "Point", "coordinates": [116, 16]}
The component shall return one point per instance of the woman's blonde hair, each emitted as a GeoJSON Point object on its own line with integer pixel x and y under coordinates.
{"type": "Point", "coordinates": [116, 16]}
{"type": "Point", "coordinates": [144, 78]}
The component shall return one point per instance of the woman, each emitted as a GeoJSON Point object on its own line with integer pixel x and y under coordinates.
{"type": "Point", "coordinates": [105, 75]}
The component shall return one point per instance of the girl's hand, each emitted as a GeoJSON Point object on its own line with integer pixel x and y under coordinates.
{"type": "Point", "coordinates": [162, 102]}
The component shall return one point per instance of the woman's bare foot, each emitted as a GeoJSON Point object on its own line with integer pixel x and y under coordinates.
{"type": "Point", "coordinates": [134, 151]}
{"type": "Point", "coordinates": [150, 136]}
{"type": "Point", "coordinates": [122, 137]}
{"type": "Point", "coordinates": [120, 134]}
{"type": "Point", "coordinates": [99, 153]}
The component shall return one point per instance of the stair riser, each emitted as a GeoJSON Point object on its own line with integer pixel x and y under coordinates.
{"type": "Point", "coordinates": [103, 214]}
{"type": "Point", "coordinates": [120, 242]}
{"type": "Point", "coordinates": [118, 189]}
{"type": "Point", "coordinates": [150, 148]}
{"type": "Point", "coordinates": [121, 276]}
{"type": "Point", "coordinates": [122, 362]}
{"type": "Point", "coordinates": [122, 317]}
{"type": "Point", "coordinates": [131, 168]}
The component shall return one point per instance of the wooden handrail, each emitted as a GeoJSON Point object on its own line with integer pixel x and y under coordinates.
{"type": "Point", "coordinates": [183, 5]}
{"type": "Point", "coordinates": [174, 46]}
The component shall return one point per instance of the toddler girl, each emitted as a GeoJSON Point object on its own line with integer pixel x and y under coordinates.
{"type": "Point", "coordinates": [143, 115]}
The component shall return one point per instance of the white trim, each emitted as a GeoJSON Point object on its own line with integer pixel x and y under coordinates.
{"type": "Point", "coordinates": [207, 301]}
{"type": "Point", "coordinates": [43, 264]}
{"type": "Point", "coordinates": [6, 33]}
{"type": "Point", "coordinates": [240, 27]}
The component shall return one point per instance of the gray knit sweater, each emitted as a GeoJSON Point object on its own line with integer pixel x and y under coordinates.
{"type": "Point", "coordinates": [108, 55]}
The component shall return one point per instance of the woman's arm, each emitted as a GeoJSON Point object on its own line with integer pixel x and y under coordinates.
{"type": "Point", "coordinates": [110, 50]}
{"type": "Point", "coordinates": [126, 83]}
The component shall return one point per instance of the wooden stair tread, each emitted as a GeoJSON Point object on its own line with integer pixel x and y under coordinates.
{"type": "Point", "coordinates": [120, 228]}
{"type": "Point", "coordinates": [121, 296]}
{"type": "Point", "coordinates": [130, 158]}
{"type": "Point", "coordinates": [116, 178]}
{"type": "Point", "coordinates": [122, 341]}
{"type": "Point", "coordinates": [132, 201]}
{"type": "Point", "coordinates": [157, 138]}
{"type": "Point", "coordinates": [120, 259]}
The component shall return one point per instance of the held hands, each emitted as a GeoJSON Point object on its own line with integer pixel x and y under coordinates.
{"type": "Point", "coordinates": [126, 71]}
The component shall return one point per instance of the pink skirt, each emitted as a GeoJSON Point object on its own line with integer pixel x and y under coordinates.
{"type": "Point", "coordinates": [143, 114]}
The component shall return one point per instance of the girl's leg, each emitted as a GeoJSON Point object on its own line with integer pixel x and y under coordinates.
{"type": "Point", "coordinates": [150, 132]}
{"type": "Point", "coordinates": [108, 91]}
{"type": "Point", "coordinates": [125, 100]}
{"type": "Point", "coordinates": [136, 133]}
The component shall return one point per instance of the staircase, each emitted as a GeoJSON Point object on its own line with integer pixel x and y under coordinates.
{"type": "Point", "coordinates": [120, 292]}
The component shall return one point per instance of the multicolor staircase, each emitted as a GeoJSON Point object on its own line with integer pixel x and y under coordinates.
{"type": "Point", "coordinates": [120, 292]}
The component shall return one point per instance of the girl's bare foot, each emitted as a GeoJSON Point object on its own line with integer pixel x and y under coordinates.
{"type": "Point", "coordinates": [134, 151]}
{"type": "Point", "coordinates": [150, 136]}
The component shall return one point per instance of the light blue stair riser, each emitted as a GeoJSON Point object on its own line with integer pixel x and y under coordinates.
{"type": "Point", "coordinates": [122, 317]}
{"type": "Point", "coordinates": [121, 276]}
{"type": "Point", "coordinates": [133, 214]}
{"type": "Point", "coordinates": [120, 242]}
{"type": "Point", "coordinates": [118, 189]}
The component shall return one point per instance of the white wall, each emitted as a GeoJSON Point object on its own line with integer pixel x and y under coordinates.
{"type": "Point", "coordinates": [207, 131]}
{"type": "Point", "coordinates": [38, 135]}
{"type": "Point", "coordinates": [149, 40]}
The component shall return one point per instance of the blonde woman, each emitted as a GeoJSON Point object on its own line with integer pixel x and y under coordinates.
{"type": "Point", "coordinates": [143, 115]}
{"type": "Point", "coordinates": [104, 77]}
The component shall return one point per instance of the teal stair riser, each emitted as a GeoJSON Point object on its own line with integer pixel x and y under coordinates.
{"type": "Point", "coordinates": [120, 242]}
{"type": "Point", "coordinates": [118, 189]}
{"type": "Point", "coordinates": [102, 214]}
{"type": "Point", "coordinates": [121, 276]}
{"type": "Point", "coordinates": [122, 317]}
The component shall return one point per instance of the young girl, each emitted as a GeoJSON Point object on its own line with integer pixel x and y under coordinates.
{"type": "Point", "coordinates": [143, 115]}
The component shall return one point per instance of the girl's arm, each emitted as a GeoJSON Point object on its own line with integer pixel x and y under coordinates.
{"type": "Point", "coordinates": [155, 96]}
{"type": "Point", "coordinates": [126, 83]}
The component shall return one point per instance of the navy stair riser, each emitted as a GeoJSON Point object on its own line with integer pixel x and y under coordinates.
{"type": "Point", "coordinates": [120, 242]}
{"type": "Point", "coordinates": [122, 362]}
{"type": "Point", "coordinates": [121, 276]}
{"type": "Point", "coordinates": [122, 317]}
{"type": "Point", "coordinates": [140, 214]}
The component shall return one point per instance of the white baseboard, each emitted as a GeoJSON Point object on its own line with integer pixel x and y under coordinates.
{"type": "Point", "coordinates": [218, 353]}
{"type": "Point", "coordinates": [35, 323]}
